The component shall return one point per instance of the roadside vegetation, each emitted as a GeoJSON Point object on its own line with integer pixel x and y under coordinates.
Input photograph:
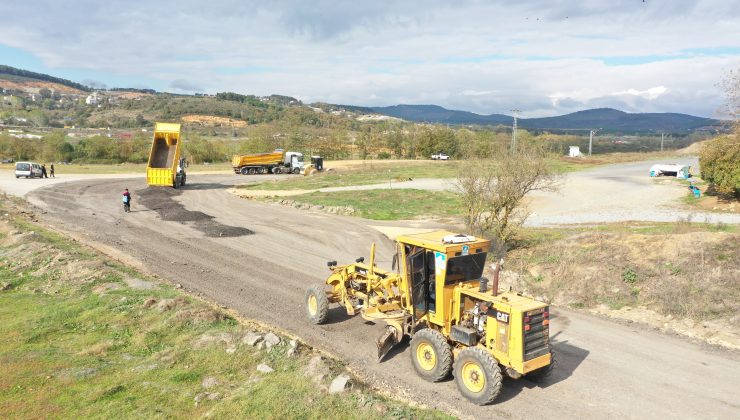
{"type": "Point", "coordinates": [682, 270]}
{"type": "Point", "coordinates": [83, 336]}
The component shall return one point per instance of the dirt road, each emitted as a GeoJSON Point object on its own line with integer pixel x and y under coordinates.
{"type": "Point", "coordinates": [258, 259]}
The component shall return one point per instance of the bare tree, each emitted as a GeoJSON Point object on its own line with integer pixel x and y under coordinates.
{"type": "Point", "coordinates": [492, 190]}
{"type": "Point", "coordinates": [731, 86]}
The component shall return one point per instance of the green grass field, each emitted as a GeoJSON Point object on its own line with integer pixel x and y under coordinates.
{"type": "Point", "coordinates": [399, 204]}
{"type": "Point", "coordinates": [374, 173]}
{"type": "Point", "coordinates": [79, 340]}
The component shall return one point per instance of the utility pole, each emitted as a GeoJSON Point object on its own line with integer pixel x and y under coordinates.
{"type": "Point", "coordinates": [513, 131]}
{"type": "Point", "coordinates": [591, 139]}
{"type": "Point", "coordinates": [662, 137]}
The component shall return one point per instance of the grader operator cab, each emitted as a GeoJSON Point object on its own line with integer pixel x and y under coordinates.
{"type": "Point", "coordinates": [438, 297]}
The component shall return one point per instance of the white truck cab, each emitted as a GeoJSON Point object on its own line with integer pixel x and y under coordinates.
{"type": "Point", "coordinates": [293, 160]}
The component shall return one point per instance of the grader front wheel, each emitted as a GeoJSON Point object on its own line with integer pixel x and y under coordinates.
{"type": "Point", "coordinates": [477, 375]}
{"type": "Point", "coordinates": [317, 304]}
{"type": "Point", "coordinates": [431, 355]}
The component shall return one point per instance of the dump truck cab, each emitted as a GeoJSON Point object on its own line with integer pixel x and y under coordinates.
{"type": "Point", "coordinates": [437, 295]}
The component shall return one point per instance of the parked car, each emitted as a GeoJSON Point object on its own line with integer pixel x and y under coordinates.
{"type": "Point", "coordinates": [27, 169]}
{"type": "Point", "coordinates": [8, 160]}
{"type": "Point", "coordinates": [440, 156]}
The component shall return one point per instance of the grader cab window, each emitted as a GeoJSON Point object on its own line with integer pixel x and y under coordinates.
{"type": "Point", "coordinates": [423, 289]}
{"type": "Point", "coordinates": [464, 268]}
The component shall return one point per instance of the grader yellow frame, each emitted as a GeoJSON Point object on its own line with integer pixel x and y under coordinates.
{"type": "Point", "coordinates": [436, 295]}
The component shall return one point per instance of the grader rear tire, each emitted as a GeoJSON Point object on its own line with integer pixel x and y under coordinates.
{"type": "Point", "coordinates": [317, 304]}
{"type": "Point", "coordinates": [431, 355]}
{"type": "Point", "coordinates": [477, 375]}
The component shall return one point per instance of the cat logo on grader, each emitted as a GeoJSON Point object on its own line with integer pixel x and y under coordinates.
{"type": "Point", "coordinates": [438, 297]}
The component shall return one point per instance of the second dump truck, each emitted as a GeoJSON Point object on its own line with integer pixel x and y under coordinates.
{"type": "Point", "coordinates": [276, 162]}
{"type": "Point", "coordinates": [166, 166]}
{"type": "Point", "coordinates": [436, 295]}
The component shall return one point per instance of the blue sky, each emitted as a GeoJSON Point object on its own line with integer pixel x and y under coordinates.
{"type": "Point", "coordinates": [543, 57]}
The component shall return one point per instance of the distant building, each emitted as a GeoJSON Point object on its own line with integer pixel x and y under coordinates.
{"type": "Point", "coordinates": [93, 99]}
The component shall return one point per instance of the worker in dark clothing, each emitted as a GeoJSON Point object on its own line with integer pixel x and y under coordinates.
{"type": "Point", "coordinates": [126, 201]}
{"type": "Point", "coordinates": [51, 170]}
{"type": "Point", "coordinates": [43, 171]}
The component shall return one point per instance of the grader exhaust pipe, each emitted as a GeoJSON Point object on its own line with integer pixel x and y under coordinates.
{"type": "Point", "coordinates": [496, 270]}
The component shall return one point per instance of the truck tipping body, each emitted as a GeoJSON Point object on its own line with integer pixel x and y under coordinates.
{"type": "Point", "coordinates": [166, 167]}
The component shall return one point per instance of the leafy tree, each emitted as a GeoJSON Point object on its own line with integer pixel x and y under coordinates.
{"type": "Point", "coordinates": [720, 164]}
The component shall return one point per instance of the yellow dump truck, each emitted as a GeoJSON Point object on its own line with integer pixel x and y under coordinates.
{"type": "Point", "coordinates": [276, 162]}
{"type": "Point", "coordinates": [166, 167]}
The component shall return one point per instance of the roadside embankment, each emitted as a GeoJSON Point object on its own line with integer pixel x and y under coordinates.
{"type": "Point", "coordinates": [84, 336]}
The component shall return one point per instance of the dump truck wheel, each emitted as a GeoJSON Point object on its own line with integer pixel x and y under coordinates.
{"type": "Point", "coordinates": [277, 171]}
{"type": "Point", "coordinates": [477, 375]}
{"type": "Point", "coordinates": [543, 373]}
{"type": "Point", "coordinates": [296, 171]}
{"type": "Point", "coordinates": [431, 355]}
{"type": "Point", "coordinates": [244, 171]}
{"type": "Point", "coordinates": [317, 304]}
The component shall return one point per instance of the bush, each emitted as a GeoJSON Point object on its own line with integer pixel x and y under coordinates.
{"type": "Point", "coordinates": [720, 164]}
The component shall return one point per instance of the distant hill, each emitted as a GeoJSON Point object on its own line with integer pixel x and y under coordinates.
{"type": "Point", "coordinates": [17, 77]}
{"type": "Point", "coordinates": [607, 119]}
{"type": "Point", "coordinates": [610, 119]}
{"type": "Point", "coordinates": [437, 114]}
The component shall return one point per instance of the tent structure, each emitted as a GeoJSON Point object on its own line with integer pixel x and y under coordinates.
{"type": "Point", "coordinates": [677, 170]}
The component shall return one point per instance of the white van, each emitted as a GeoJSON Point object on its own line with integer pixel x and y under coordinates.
{"type": "Point", "coordinates": [27, 169]}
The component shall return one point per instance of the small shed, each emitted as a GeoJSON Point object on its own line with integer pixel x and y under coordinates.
{"type": "Point", "coordinates": [574, 151]}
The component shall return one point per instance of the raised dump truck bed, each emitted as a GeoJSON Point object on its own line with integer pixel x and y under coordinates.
{"type": "Point", "coordinates": [166, 167]}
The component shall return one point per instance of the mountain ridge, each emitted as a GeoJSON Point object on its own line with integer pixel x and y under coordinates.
{"type": "Point", "coordinates": [606, 119]}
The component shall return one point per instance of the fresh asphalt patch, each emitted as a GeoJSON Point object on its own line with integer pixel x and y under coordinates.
{"type": "Point", "coordinates": [162, 200]}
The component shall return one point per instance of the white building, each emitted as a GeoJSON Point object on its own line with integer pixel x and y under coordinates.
{"type": "Point", "coordinates": [92, 99]}
{"type": "Point", "coordinates": [574, 151]}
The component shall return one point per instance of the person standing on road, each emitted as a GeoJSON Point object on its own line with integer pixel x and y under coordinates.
{"type": "Point", "coordinates": [126, 201]}
{"type": "Point", "coordinates": [43, 171]}
{"type": "Point", "coordinates": [51, 170]}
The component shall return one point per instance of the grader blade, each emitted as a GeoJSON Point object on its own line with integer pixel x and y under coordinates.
{"type": "Point", "coordinates": [386, 341]}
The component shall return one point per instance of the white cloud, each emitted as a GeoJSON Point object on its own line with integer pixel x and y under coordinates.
{"type": "Point", "coordinates": [545, 57]}
{"type": "Point", "coordinates": [651, 93]}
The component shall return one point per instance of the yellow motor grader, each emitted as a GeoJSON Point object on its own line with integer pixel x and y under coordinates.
{"type": "Point", "coordinates": [436, 295]}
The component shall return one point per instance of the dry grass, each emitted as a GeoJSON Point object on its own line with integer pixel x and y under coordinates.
{"type": "Point", "coordinates": [686, 273]}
